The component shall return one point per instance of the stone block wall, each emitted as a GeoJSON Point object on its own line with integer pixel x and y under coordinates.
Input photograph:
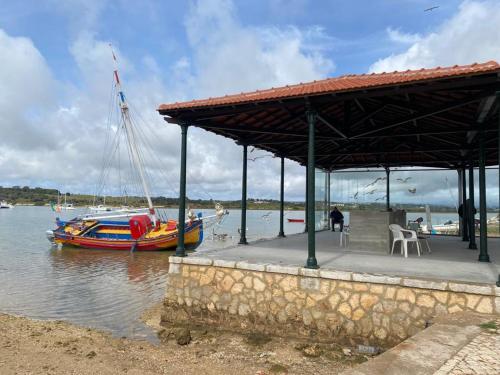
{"type": "Point", "coordinates": [322, 304]}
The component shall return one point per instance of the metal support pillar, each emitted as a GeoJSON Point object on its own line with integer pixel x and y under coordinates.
{"type": "Point", "coordinates": [180, 251]}
{"type": "Point", "coordinates": [472, 224]}
{"type": "Point", "coordinates": [311, 234]}
{"type": "Point", "coordinates": [282, 198]}
{"type": "Point", "coordinates": [243, 229]}
{"type": "Point", "coordinates": [325, 203]}
{"type": "Point", "coordinates": [328, 200]}
{"type": "Point", "coordinates": [465, 214]}
{"type": "Point", "coordinates": [483, 234]}
{"type": "Point", "coordinates": [460, 202]}
{"type": "Point", "coordinates": [306, 208]}
{"type": "Point", "coordinates": [387, 190]}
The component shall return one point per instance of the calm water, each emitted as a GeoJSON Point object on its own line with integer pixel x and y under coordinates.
{"type": "Point", "coordinates": [102, 289]}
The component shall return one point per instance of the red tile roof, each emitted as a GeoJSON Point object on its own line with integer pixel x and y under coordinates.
{"type": "Point", "coordinates": [339, 84]}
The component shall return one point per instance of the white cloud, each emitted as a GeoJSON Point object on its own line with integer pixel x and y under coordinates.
{"type": "Point", "coordinates": [398, 36]}
{"type": "Point", "coordinates": [470, 35]}
{"type": "Point", "coordinates": [227, 57]}
{"type": "Point", "coordinates": [230, 57]}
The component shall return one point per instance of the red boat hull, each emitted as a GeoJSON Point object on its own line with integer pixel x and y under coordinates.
{"type": "Point", "coordinates": [295, 220]}
{"type": "Point", "coordinates": [165, 242]}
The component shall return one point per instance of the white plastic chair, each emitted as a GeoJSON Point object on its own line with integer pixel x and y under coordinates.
{"type": "Point", "coordinates": [344, 236]}
{"type": "Point", "coordinates": [398, 235]}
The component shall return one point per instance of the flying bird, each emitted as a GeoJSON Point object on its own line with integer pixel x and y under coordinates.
{"type": "Point", "coordinates": [413, 191]}
{"type": "Point", "coordinates": [355, 196]}
{"type": "Point", "coordinates": [257, 157]}
{"type": "Point", "coordinates": [371, 191]}
{"type": "Point", "coordinates": [266, 216]}
{"type": "Point", "coordinates": [431, 8]}
{"type": "Point", "coordinates": [375, 181]}
{"type": "Point", "coordinates": [379, 199]}
{"type": "Point", "coordinates": [404, 181]}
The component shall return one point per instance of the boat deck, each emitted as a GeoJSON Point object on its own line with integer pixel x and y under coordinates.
{"type": "Point", "coordinates": [450, 258]}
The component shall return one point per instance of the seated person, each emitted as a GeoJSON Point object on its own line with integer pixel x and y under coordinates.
{"type": "Point", "coordinates": [337, 218]}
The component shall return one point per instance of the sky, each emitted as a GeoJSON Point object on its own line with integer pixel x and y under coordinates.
{"type": "Point", "coordinates": [56, 81]}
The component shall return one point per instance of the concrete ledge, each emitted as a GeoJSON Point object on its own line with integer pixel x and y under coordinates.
{"type": "Point", "coordinates": [251, 266]}
{"type": "Point", "coordinates": [224, 263]}
{"type": "Point", "coordinates": [335, 275]}
{"type": "Point", "coordinates": [290, 270]}
{"type": "Point", "coordinates": [174, 259]}
{"type": "Point", "coordinates": [376, 279]}
{"type": "Point", "coordinates": [308, 272]}
{"type": "Point", "coordinates": [197, 261]}
{"type": "Point", "coordinates": [470, 288]}
{"type": "Point", "coordinates": [426, 284]}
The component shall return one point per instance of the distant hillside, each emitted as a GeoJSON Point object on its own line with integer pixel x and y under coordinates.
{"type": "Point", "coordinates": [40, 196]}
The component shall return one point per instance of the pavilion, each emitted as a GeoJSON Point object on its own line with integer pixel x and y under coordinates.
{"type": "Point", "coordinates": [440, 118]}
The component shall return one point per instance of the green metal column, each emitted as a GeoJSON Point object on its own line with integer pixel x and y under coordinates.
{"type": "Point", "coordinates": [311, 233]}
{"type": "Point", "coordinates": [307, 199]}
{"type": "Point", "coordinates": [243, 229]}
{"type": "Point", "coordinates": [472, 225]}
{"type": "Point", "coordinates": [483, 234]}
{"type": "Point", "coordinates": [465, 214]}
{"type": "Point", "coordinates": [325, 203]}
{"type": "Point", "coordinates": [329, 201]}
{"type": "Point", "coordinates": [282, 198]}
{"type": "Point", "coordinates": [387, 190]}
{"type": "Point", "coordinates": [180, 251]}
{"type": "Point", "coordinates": [459, 188]}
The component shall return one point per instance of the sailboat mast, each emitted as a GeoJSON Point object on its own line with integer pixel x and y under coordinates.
{"type": "Point", "coordinates": [131, 142]}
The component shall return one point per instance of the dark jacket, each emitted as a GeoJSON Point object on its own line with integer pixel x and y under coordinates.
{"type": "Point", "coordinates": [336, 215]}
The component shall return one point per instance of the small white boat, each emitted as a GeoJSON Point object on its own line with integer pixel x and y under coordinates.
{"type": "Point", "coordinates": [4, 204]}
{"type": "Point", "coordinates": [100, 208]}
{"type": "Point", "coordinates": [448, 227]}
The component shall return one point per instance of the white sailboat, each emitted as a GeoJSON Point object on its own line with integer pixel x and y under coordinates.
{"type": "Point", "coordinates": [143, 230]}
{"type": "Point", "coordinates": [4, 204]}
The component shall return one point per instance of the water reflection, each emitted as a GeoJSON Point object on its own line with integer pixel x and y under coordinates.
{"type": "Point", "coordinates": [139, 267]}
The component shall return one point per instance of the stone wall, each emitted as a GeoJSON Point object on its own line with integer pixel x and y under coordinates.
{"type": "Point", "coordinates": [320, 304]}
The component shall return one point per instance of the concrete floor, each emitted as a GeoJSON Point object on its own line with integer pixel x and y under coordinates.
{"type": "Point", "coordinates": [450, 258]}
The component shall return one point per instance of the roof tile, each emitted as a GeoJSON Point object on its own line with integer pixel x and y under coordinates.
{"type": "Point", "coordinates": [339, 84]}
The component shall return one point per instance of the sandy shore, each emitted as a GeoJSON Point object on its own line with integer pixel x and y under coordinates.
{"type": "Point", "coordinates": [48, 347]}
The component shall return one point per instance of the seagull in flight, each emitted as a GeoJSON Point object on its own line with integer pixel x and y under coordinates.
{"type": "Point", "coordinates": [379, 199]}
{"type": "Point", "coordinates": [404, 181]}
{"type": "Point", "coordinates": [413, 191]}
{"type": "Point", "coordinates": [371, 191]}
{"type": "Point", "coordinates": [375, 181]}
{"type": "Point", "coordinates": [431, 8]}
{"type": "Point", "coordinates": [265, 216]}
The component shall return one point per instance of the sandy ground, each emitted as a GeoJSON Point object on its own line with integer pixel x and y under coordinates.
{"type": "Point", "coordinates": [48, 347]}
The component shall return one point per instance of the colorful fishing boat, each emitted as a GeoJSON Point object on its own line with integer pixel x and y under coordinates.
{"type": "Point", "coordinates": [136, 234]}
{"type": "Point", "coordinates": [133, 230]}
